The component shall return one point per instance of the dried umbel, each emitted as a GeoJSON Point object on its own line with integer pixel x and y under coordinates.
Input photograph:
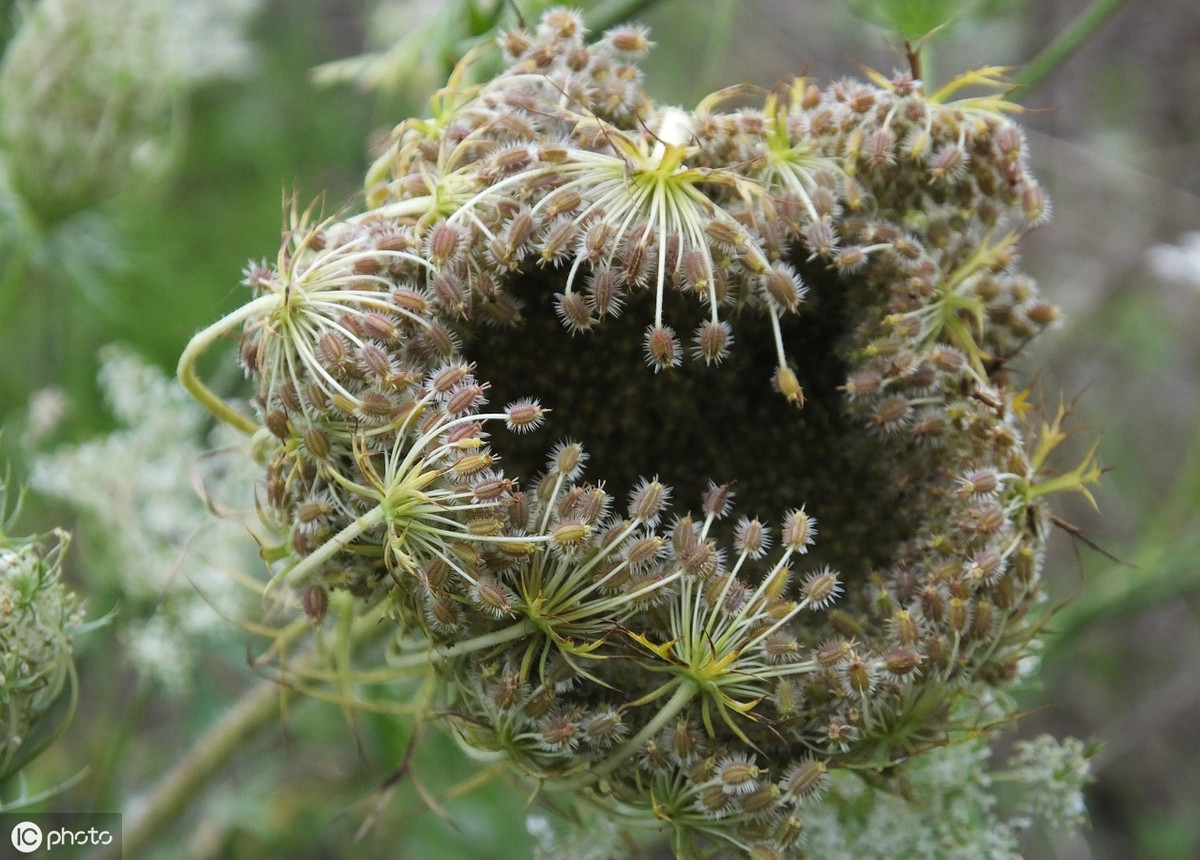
{"type": "Point", "coordinates": [89, 95]}
{"type": "Point", "coordinates": [802, 539]}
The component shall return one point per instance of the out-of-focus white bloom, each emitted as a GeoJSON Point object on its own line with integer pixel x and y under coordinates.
{"type": "Point", "coordinates": [594, 838]}
{"type": "Point", "coordinates": [89, 92]}
{"type": "Point", "coordinates": [410, 40]}
{"type": "Point", "coordinates": [957, 814]}
{"type": "Point", "coordinates": [1051, 774]}
{"type": "Point", "coordinates": [134, 491]}
{"type": "Point", "coordinates": [47, 408]}
{"type": "Point", "coordinates": [1180, 262]}
{"type": "Point", "coordinates": [206, 39]}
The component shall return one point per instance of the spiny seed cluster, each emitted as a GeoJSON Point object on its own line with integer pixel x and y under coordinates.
{"type": "Point", "coordinates": [692, 668]}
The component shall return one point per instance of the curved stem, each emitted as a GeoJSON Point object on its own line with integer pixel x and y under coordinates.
{"type": "Point", "coordinates": [197, 346]}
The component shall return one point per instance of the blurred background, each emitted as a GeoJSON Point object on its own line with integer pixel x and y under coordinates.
{"type": "Point", "coordinates": [222, 115]}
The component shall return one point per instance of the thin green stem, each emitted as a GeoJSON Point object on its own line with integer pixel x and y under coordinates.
{"type": "Point", "coordinates": [1067, 43]}
{"type": "Point", "coordinates": [525, 627]}
{"type": "Point", "coordinates": [613, 12]}
{"type": "Point", "coordinates": [257, 708]}
{"type": "Point", "coordinates": [244, 720]}
{"type": "Point", "coordinates": [684, 693]}
{"type": "Point", "coordinates": [197, 347]}
{"type": "Point", "coordinates": [326, 550]}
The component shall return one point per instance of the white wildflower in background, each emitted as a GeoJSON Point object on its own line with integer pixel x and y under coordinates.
{"type": "Point", "coordinates": [47, 409]}
{"type": "Point", "coordinates": [1050, 773]}
{"type": "Point", "coordinates": [134, 493]}
{"type": "Point", "coordinates": [1179, 262]}
{"type": "Point", "coordinates": [89, 92]}
{"type": "Point", "coordinates": [953, 807]}
{"type": "Point", "coordinates": [595, 838]}
{"type": "Point", "coordinates": [951, 814]}
{"type": "Point", "coordinates": [205, 40]}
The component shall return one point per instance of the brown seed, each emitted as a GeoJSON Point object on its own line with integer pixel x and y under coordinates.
{"type": "Point", "coordinates": [784, 287]}
{"type": "Point", "coordinates": [713, 339]}
{"type": "Point", "coordinates": [465, 399]}
{"type": "Point", "coordinates": [902, 661]}
{"type": "Point", "coordinates": [573, 310]}
{"type": "Point", "coordinates": [662, 347]}
{"type": "Point", "coordinates": [316, 602]}
{"type": "Point", "coordinates": [804, 779]}
{"type": "Point", "coordinates": [316, 440]}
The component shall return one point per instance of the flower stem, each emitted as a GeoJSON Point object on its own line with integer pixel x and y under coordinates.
{"type": "Point", "coordinates": [478, 643]}
{"type": "Point", "coordinates": [257, 708]}
{"type": "Point", "coordinates": [684, 693]}
{"type": "Point", "coordinates": [1067, 43]}
{"type": "Point", "coordinates": [326, 550]}
{"type": "Point", "coordinates": [197, 346]}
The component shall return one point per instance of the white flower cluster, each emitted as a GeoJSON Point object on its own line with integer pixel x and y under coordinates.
{"type": "Point", "coordinates": [1179, 262]}
{"type": "Point", "coordinates": [1050, 772]}
{"type": "Point", "coordinates": [89, 91]}
{"type": "Point", "coordinates": [596, 837]}
{"type": "Point", "coordinates": [133, 491]}
{"type": "Point", "coordinates": [955, 808]}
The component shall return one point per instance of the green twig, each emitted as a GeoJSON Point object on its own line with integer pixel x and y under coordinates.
{"type": "Point", "coordinates": [259, 707]}
{"type": "Point", "coordinates": [1067, 43]}
{"type": "Point", "coordinates": [613, 12]}
{"type": "Point", "coordinates": [199, 344]}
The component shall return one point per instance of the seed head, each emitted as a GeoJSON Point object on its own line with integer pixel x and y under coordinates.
{"type": "Point", "coordinates": [631, 42]}
{"type": "Point", "coordinates": [804, 780]}
{"type": "Point", "coordinates": [799, 531]}
{"type": "Point", "coordinates": [567, 460]}
{"type": "Point", "coordinates": [783, 285]}
{"type": "Point", "coordinates": [523, 416]}
{"type": "Point", "coordinates": [713, 340]}
{"type": "Point", "coordinates": [662, 348]}
{"type": "Point", "coordinates": [788, 385]}
{"type": "Point", "coordinates": [737, 774]}
{"type": "Point", "coordinates": [492, 596]}
{"type": "Point", "coordinates": [647, 501]}
{"type": "Point", "coordinates": [821, 588]}
{"type": "Point", "coordinates": [602, 650]}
